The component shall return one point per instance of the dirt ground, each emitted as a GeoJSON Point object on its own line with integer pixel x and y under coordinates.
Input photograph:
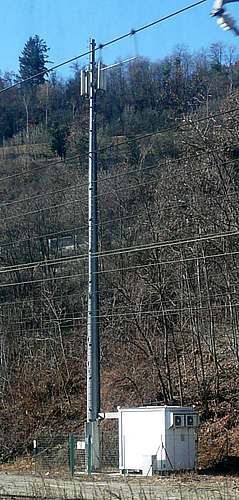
{"type": "Point", "coordinates": [189, 487]}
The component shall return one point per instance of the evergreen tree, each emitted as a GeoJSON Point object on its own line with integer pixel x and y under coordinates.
{"type": "Point", "coordinates": [33, 59]}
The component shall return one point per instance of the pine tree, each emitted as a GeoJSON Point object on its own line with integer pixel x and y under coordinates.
{"type": "Point", "coordinates": [33, 60]}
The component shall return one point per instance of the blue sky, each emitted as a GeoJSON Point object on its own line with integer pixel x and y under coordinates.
{"type": "Point", "coordinates": [66, 26]}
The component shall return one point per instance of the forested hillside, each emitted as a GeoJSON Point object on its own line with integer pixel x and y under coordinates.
{"type": "Point", "coordinates": [169, 271]}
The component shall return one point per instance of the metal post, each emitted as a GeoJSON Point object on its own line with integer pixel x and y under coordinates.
{"type": "Point", "coordinates": [93, 362]}
{"type": "Point", "coordinates": [72, 453]}
{"type": "Point", "coordinates": [89, 455]}
{"type": "Point", "coordinates": [35, 454]}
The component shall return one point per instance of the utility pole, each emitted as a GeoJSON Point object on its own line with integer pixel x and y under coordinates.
{"type": "Point", "coordinates": [93, 354]}
{"type": "Point", "coordinates": [93, 79]}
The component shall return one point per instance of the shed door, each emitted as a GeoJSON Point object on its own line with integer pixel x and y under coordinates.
{"type": "Point", "coordinates": [184, 448]}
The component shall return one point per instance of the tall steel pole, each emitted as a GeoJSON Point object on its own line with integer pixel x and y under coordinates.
{"type": "Point", "coordinates": [93, 356]}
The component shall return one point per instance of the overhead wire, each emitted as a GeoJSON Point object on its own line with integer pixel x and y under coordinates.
{"type": "Point", "coordinates": [55, 340]}
{"type": "Point", "coordinates": [40, 264]}
{"type": "Point", "coordinates": [99, 195]}
{"type": "Point", "coordinates": [41, 195]}
{"type": "Point", "coordinates": [72, 202]}
{"type": "Point", "coordinates": [106, 44]}
{"type": "Point", "coordinates": [110, 178]}
{"type": "Point", "coordinates": [40, 167]}
{"type": "Point", "coordinates": [195, 300]}
{"type": "Point", "coordinates": [146, 135]}
{"type": "Point", "coordinates": [171, 311]}
{"type": "Point", "coordinates": [61, 232]}
{"type": "Point", "coordinates": [68, 232]}
{"type": "Point", "coordinates": [174, 128]}
{"type": "Point", "coordinates": [157, 313]}
{"type": "Point", "coordinates": [43, 209]}
{"type": "Point", "coordinates": [29, 301]}
{"type": "Point", "coordinates": [151, 312]}
{"type": "Point", "coordinates": [185, 204]}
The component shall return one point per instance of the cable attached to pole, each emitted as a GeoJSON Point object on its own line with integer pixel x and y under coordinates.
{"type": "Point", "coordinates": [102, 45]}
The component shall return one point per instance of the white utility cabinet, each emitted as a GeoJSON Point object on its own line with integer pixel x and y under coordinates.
{"type": "Point", "coordinates": [157, 438]}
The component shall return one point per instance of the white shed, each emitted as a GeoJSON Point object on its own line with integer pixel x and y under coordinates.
{"type": "Point", "coordinates": [157, 438]}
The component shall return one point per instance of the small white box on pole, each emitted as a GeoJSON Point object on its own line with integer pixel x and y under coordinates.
{"type": "Point", "coordinates": [84, 82]}
{"type": "Point", "coordinates": [101, 76]}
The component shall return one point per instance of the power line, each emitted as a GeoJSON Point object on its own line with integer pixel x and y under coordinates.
{"type": "Point", "coordinates": [44, 209]}
{"type": "Point", "coordinates": [29, 300]}
{"type": "Point", "coordinates": [43, 280]}
{"type": "Point", "coordinates": [42, 195]}
{"type": "Point", "coordinates": [167, 262]}
{"type": "Point", "coordinates": [44, 235]}
{"type": "Point", "coordinates": [178, 203]}
{"type": "Point", "coordinates": [154, 313]}
{"type": "Point", "coordinates": [123, 188]}
{"type": "Point", "coordinates": [170, 163]}
{"type": "Point", "coordinates": [183, 124]}
{"type": "Point", "coordinates": [163, 304]}
{"type": "Point", "coordinates": [40, 330]}
{"type": "Point", "coordinates": [101, 223]}
{"type": "Point", "coordinates": [109, 178]}
{"type": "Point", "coordinates": [74, 186]}
{"type": "Point", "coordinates": [71, 202]}
{"type": "Point", "coordinates": [153, 246]}
{"type": "Point", "coordinates": [104, 271]}
{"type": "Point", "coordinates": [121, 251]}
{"type": "Point", "coordinates": [160, 313]}
{"type": "Point", "coordinates": [40, 167]}
{"type": "Point", "coordinates": [175, 128]}
{"type": "Point", "coordinates": [74, 326]}
{"type": "Point", "coordinates": [101, 46]}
